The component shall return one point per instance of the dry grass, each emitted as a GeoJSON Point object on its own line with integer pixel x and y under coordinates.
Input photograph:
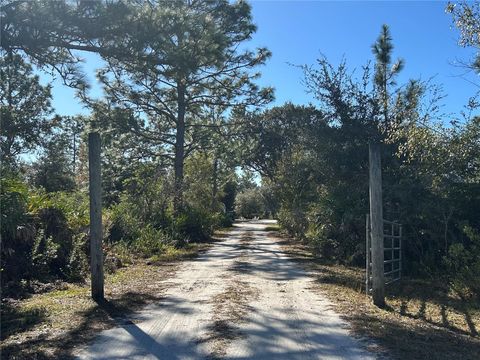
{"type": "Point", "coordinates": [422, 320]}
{"type": "Point", "coordinates": [49, 325]}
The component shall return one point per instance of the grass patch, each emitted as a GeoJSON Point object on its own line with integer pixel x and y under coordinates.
{"type": "Point", "coordinates": [272, 228]}
{"type": "Point", "coordinates": [222, 233]}
{"type": "Point", "coordinates": [171, 253]}
{"type": "Point", "coordinates": [422, 320]}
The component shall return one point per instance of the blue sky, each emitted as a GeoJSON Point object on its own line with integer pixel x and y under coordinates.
{"type": "Point", "coordinates": [298, 31]}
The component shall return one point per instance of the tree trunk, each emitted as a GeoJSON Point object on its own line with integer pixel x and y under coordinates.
{"type": "Point", "coordinates": [214, 181]}
{"type": "Point", "coordinates": [179, 150]}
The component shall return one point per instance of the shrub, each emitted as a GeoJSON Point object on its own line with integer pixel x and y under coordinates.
{"type": "Point", "coordinates": [126, 224]}
{"type": "Point", "coordinates": [118, 255]}
{"type": "Point", "coordinates": [43, 255]}
{"type": "Point", "coordinates": [17, 235]}
{"type": "Point", "coordinates": [78, 266]}
{"type": "Point", "coordinates": [75, 208]}
{"type": "Point", "coordinates": [249, 204]}
{"type": "Point", "coordinates": [150, 242]}
{"type": "Point", "coordinates": [224, 220]}
{"type": "Point", "coordinates": [322, 243]}
{"type": "Point", "coordinates": [52, 222]}
{"type": "Point", "coordinates": [39, 233]}
{"type": "Point", "coordinates": [294, 221]}
{"type": "Point", "coordinates": [13, 197]}
{"type": "Point", "coordinates": [463, 265]}
{"type": "Point", "coordinates": [193, 225]}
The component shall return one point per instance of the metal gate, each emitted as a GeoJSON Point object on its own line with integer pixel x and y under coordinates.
{"type": "Point", "coordinates": [392, 252]}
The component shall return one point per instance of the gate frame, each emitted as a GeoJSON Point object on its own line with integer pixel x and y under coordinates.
{"type": "Point", "coordinates": [392, 237]}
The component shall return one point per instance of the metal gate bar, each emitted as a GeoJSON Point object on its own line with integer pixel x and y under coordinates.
{"type": "Point", "coordinates": [392, 234]}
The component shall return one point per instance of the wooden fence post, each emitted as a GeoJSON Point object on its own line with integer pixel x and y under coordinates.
{"type": "Point", "coordinates": [95, 186]}
{"type": "Point", "coordinates": [376, 225]}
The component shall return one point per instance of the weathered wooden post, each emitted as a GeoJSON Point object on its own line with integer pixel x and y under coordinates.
{"type": "Point", "coordinates": [376, 225]}
{"type": "Point", "coordinates": [95, 186]}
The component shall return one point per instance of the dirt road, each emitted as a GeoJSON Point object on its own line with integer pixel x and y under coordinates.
{"type": "Point", "coordinates": [243, 299]}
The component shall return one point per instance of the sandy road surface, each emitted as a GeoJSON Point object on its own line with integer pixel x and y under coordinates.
{"type": "Point", "coordinates": [243, 299]}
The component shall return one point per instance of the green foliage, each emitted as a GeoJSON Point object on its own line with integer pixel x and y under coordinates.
{"type": "Point", "coordinates": [439, 189]}
{"type": "Point", "coordinates": [41, 233]}
{"type": "Point", "coordinates": [294, 221]}
{"type": "Point", "coordinates": [74, 206]}
{"type": "Point", "coordinates": [228, 197]}
{"type": "Point", "coordinates": [463, 264]}
{"type": "Point", "coordinates": [44, 253]}
{"type": "Point", "coordinates": [24, 108]}
{"type": "Point", "coordinates": [466, 17]}
{"type": "Point", "coordinates": [146, 203]}
{"type": "Point", "coordinates": [53, 170]}
{"type": "Point", "coordinates": [143, 218]}
{"type": "Point", "coordinates": [320, 178]}
{"type": "Point", "coordinates": [14, 195]}
{"type": "Point", "coordinates": [274, 132]}
{"type": "Point", "coordinates": [149, 130]}
{"type": "Point", "coordinates": [38, 30]}
{"type": "Point", "coordinates": [249, 204]}
{"type": "Point", "coordinates": [125, 223]}
{"type": "Point", "coordinates": [194, 225]}
{"type": "Point", "coordinates": [148, 236]}
{"type": "Point", "coordinates": [78, 264]}
{"type": "Point", "coordinates": [150, 242]}
{"type": "Point", "coordinates": [170, 151]}
{"type": "Point", "coordinates": [385, 71]}
{"type": "Point", "coordinates": [15, 231]}
{"type": "Point", "coordinates": [324, 247]}
{"type": "Point", "coordinates": [222, 220]}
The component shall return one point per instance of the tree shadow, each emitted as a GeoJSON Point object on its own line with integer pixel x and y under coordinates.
{"type": "Point", "coordinates": [346, 278]}
{"type": "Point", "coordinates": [263, 338]}
{"type": "Point", "coordinates": [407, 341]}
{"type": "Point", "coordinates": [403, 307]}
{"type": "Point", "coordinates": [105, 314]}
{"type": "Point", "coordinates": [137, 343]}
{"type": "Point", "coordinates": [400, 295]}
{"type": "Point", "coordinates": [443, 314]}
{"type": "Point", "coordinates": [438, 297]}
{"type": "Point", "coordinates": [15, 320]}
